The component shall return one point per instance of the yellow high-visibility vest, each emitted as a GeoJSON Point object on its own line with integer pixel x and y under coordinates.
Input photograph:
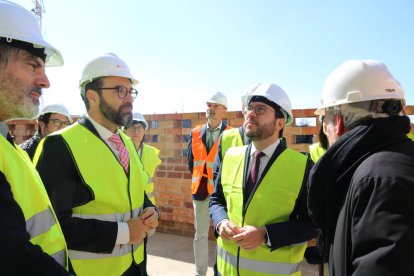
{"type": "Point", "coordinates": [272, 202]}
{"type": "Point", "coordinates": [150, 160]}
{"type": "Point", "coordinates": [316, 151]}
{"type": "Point", "coordinates": [117, 197]}
{"type": "Point", "coordinates": [29, 192]}
{"type": "Point", "coordinates": [230, 138]}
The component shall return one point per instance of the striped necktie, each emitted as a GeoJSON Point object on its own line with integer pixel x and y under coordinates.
{"type": "Point", "coordinates": [123, 152]}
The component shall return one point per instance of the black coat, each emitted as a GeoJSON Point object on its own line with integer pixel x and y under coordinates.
{"type": "Point", "coordinates": [361, 195]}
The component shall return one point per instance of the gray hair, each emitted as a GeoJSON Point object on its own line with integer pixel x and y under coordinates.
{"type": "Point", "coordinates": [355, 113]}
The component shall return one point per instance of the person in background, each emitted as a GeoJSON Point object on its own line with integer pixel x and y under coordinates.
{"type": "Point", "coordinates": [95, 178]}
{"type": "Point", "coordinates": [30, 235]}
{"type": "Point", "coordinates": [150, 160]}
{"type": "Point", "coordinates": [233, 137]}
{"type": "Point", "coordinates": [202, 149]}
{"type": "Point", "coordinates": [50, 119]}
{"type": "Point", "coordinates": [316, 150]}
{"type": "Point", "coordinates": [361, 192]}
{"type": "Point", "coordinates": [258, 205]}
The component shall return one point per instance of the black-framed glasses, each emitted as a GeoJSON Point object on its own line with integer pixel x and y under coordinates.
{"type": "Point", "coordinates": [59, 123]}
{"type": "Point", "coordinates": [258, 109]}
{"type": "Point", "coordinates": [139, 127]}
{"type": "Point", "coordinates": [122, 91]}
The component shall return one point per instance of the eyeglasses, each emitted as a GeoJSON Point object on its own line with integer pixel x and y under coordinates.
{"type": "Point", "coordinates": [59, 123]}
{"type": "Point", "coordinates": [122, 91]}
{"type": "Point", "coordinates": [258, 109]}
{"type": "Point", "coordinates": [136, 128]}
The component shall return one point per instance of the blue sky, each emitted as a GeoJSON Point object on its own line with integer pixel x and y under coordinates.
{"type": "Point", "coordinates": [181, 51]}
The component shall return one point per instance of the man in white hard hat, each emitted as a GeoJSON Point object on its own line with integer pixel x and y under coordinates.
{"type": "Point", "coordinates": [202, 148]}
{"type": "Point", "coordinates": [31, 239]}
{"type": "Point", "coordinates": [50, 119]}
{"type": "Point", "coordinates": [149, 156]}
{"type": "Point", "coordinates": [259, 202]}
{"type": "Point", "coordinates": [95, 178]}
{"type": "Point", "coordinates": [361, 191]}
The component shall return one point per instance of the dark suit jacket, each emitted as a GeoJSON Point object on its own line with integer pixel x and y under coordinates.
{"type": "Point", "coordinates": [18, 255]}
{"type": "Point", "coordinates": [299, 228]}
{"type": "Point", "coordinates": [67, 189]}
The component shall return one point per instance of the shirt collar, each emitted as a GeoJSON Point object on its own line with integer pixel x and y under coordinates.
{"type": "Point", "coordinates": [102, 131]}
{"type": "Point", "coordinates": [268, 151]}
{"type": "Point", "coordinates": [218, 127]}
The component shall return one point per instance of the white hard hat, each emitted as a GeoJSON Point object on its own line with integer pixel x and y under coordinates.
{"type": "Point", "coordinates": [17, 23]}
{"type": "Point", "coordinates": [273, 93]}
{"type": "Point", "coordinates": [218, 98]}
{"type": "Point", "coordinates": [138, 117]}
{"type": "Point", "coordinates": [358, 81]}
{"type": "Point", "coordinates": [56, 108]}
{"type": "Point", "coordinates": [105, 65]}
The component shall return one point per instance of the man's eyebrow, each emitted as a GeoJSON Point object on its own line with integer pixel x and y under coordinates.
{"type": "Point", "coordinates": [30, 57]}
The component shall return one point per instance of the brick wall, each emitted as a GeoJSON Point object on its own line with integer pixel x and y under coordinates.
{"type": "Point", "coordinates": [168, 132]}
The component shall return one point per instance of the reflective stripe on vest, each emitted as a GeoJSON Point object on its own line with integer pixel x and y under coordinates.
{"type": "Point", "coordinates": [117, 196]}
{"type": "Point", "coordinates": [258, 266]}
{"type": "Point", "coordinates": [30, 194]}
{"type": "Point", "coordinates": [150, 160]}
{"type": "Point", "coordinates": [202, 160]}
{"type": "Point", "coordinates": [40, 223]}
{"type": "Point", "coordinates": [316, 151]}
{"type": "Point", "coordinates": [277, 191]}
{"type": "Point", "coordinates": [230, 138]}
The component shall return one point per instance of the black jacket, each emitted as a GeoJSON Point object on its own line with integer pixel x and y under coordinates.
{"type": "Point", "coordinates": [30, 145]}
{"type": "Point", "coordinates": [66, 190]}
{"type": "Point", "coordinates": [361, 195]}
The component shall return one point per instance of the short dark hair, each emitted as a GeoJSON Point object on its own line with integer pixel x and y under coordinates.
{"type": "Point", "coordinates": [93, 85]}
{"type": "Point", "coordinates": [275, 106]}
{"type": "Point", "coordinates": [45, 119]}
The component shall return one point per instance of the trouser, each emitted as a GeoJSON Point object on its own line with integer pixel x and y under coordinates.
{"type": "Point", "coordinates": [202, 227]}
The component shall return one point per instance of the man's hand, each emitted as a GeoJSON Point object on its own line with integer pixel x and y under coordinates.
{"type": "Point", "coordinates": [150, 217]}
{"type": "Point", "coordinates": [250, 237]}
{"type": "Point", "coordinates": [227, 229]}
{"type": "Point", "coordinates": [137, 230]}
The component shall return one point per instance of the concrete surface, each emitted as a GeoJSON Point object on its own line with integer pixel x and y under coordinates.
{"type": "Point", "coordinates": [172, 255]}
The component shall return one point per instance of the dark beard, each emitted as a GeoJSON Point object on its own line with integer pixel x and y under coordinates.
{"type": "Point", "coordinates": [113, 115]}
{"type": "Point", "coordinates": [262, 131]}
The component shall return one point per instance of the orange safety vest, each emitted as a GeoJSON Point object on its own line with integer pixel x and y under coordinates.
{"type": "Point", "coordinates": [202, 159]}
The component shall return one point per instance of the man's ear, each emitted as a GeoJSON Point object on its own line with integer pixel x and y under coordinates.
{"type": "Point", "coordinates": [339, 127]}
{"type": "Point", "coordinates": [92, 96]}
{"type": "Point", "coordinates": [42, 124]}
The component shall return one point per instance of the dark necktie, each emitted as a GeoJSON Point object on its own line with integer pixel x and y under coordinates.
{"type": "Point", "coordinates": [251, 181]}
